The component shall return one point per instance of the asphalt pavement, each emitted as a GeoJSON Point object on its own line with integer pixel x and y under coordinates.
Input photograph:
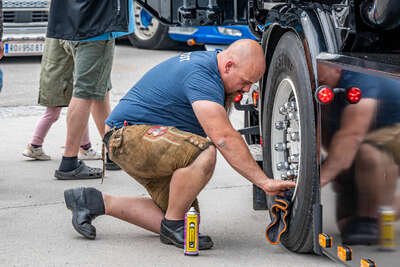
{"type": "Point", "coordinates": [35, 226]}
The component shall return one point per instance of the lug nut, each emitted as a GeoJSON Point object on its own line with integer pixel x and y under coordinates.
{"type": "Point", "coordinates": [291, 174]}
{"type": "Point", "coordinates": [280, 125]}
{"type": "Point", "coordinates": [294, 158]}
{"type": "Point", "coordinates": [282, 166]}
{"type": "Point", "coordinates": [293, 166]}
{"type": "Point", "coordinates": [294, 136]}
{"type": "Point", "coordinates": [280, 147]}
{"type": "Point", "coordinates": [283, 111]}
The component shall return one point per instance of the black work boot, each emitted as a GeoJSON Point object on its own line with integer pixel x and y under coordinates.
{"type": "Point", "coordinates": [111, 165]}
{"type": "Point", "coordinates": [361, 231]}
{"type": "Point", "coordinates": [85, 204]}
{"type": "Point", "coordinates": [174, 236]}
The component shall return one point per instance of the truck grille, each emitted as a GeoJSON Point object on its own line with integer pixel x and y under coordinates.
{"type": "Point", "coordinates": [25, 4]}
{"type": "Point", "coordinates": [25, 16]}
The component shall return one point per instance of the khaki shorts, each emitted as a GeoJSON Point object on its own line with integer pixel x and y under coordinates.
{"type": "Point", "coordinates": [151, 154]}
{"type": "Point", "coordinates": [56, 83]}
{"type": "Point", "coordinates": [386, 139]}
{"type": "Point", "coordinates": [81, 69]}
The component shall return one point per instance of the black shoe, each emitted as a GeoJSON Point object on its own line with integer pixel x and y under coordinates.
{"type": "Point", "coordinates": [175, 237]}
{"type": "Point", "coordinates": [111, 165]}
{"type": "Point", "coordinates": [85, 204]}
{"type": "Point", "coordinates": [361, 231]}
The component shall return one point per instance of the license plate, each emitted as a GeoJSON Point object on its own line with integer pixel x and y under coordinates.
{"type": "Point", "coordinates": [23, 48]}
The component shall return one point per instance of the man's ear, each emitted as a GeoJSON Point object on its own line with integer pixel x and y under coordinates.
{"type": "Point", "coordinates": [228, 66]}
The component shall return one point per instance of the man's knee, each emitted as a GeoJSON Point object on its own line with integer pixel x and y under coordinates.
{"type": "Point", "coordinates": [210, 159]}
{"type": "Point", "coordinates": [368, 155]}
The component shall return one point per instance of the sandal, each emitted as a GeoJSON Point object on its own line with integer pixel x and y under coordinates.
{"type": "Point", "coordinates": [82, 172]}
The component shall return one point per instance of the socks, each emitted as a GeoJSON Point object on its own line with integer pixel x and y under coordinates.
{"type": "Point", "coordinates": [68, 164]}
{"type": "Point", "coordinates": [87, 146]}
{"type": "Point", "coordinates": [108, 158]}
{"type": "Point", "coordinates": [173, 224]}
{"type": "Point", "coordinates": [36, 146]}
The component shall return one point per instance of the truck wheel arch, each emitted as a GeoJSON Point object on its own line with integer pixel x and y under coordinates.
{"type": "Point", "coordinates": [311, 47]}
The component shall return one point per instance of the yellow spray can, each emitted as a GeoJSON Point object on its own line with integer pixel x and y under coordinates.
{"type": "Point", "coordinates": [191, 234]}
{"type": "Point", "coordinates": [387, 234]}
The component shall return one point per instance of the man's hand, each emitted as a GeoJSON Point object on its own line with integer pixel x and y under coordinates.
{"type": "Point", "coordinates": [275, 187]}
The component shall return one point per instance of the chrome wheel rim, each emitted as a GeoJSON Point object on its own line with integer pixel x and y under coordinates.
{"type": "Point", "coordinates": [145, 25]}
{"type": "Point", "coordinates": [286, 134]}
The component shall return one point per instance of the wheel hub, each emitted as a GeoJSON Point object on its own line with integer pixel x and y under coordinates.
{"type": "Point", "coordinates": [145, 25]}
{"type": "Point", "coordinates": [285, 134]}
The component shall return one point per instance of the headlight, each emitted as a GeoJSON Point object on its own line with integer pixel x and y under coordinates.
{"type": "Point", "coordinates": [229, 31]}
{"type": "Point", "coordinates": [182, 30]}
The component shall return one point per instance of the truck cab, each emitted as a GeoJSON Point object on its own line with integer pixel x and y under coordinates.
{"type": "Point", "coordinates": [25, 25]}
{"type": "Point", "coordinates": [326, 116]}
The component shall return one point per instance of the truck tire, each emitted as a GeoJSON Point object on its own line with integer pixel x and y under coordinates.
{"type": "Point", "coordinates": [149, 32]}
{"type": "Point", "coordinates": [288, 119]}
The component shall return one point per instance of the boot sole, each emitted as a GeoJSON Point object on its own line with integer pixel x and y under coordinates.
{"type": "Point", "coordinates": [166, 240]}
{"type": "Point", "coordinates": [70, 203]}
{"type": "Point", "coordinates": [112, 167]}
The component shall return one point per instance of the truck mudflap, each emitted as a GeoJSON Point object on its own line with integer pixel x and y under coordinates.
{"type": "Point", "coordinates": [360, 144]}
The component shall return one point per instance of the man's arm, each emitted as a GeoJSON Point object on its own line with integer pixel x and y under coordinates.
{"type": "Point", "coordinates": [355, 123]}
{"type": "Point", "coordinates": [215, 122]}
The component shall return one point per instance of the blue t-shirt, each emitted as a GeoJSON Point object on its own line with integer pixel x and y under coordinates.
{"type": "Point", "coordinates": [165, 94]}
{"type": "Point", "coordinates": [385, 90]}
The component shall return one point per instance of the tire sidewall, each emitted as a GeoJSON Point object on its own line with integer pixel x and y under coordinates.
{"type": "Point", "coordinates": [159, 40]}
{"type": "Point", "coordinates": [152, 43]}
{"type": "Point", "coordinates": [289, 60]}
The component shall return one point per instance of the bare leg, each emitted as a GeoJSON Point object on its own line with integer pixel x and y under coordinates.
{"type": "Point", "coordinates": [77, 119]}
{"type": "Point", "coordinates": [186, 183]}
{"type": "Point", "coordinates": [85, 137]}
{"type": "Point", "coordinates": [100, 111]}
{"type": "Point", "coordinates": [376, 176]}
{"type": "Point", "coordinates": [136, 210]}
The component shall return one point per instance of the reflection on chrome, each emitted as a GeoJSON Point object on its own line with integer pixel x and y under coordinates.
{"type": "Point", "coordinates": [360, 167]}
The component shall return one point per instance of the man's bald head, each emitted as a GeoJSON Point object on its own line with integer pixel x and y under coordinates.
{"type": "Point", "coordinates": [248, 53]}
{"type": "Point", "coordinates": [244, 60]}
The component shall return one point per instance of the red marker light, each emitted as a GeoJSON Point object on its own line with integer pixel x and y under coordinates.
{"type": "Point", "coordinates": [255, 96]}
{"type": "Point", "coordinates": [238, 98]}
{"type": "Point", "coordinates": [353, 95]}
{"type": "Point", "coordinates": [324, 95]}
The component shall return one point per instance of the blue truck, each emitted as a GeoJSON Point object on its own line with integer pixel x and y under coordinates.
{"type": "Point", "coordinates": [152, 34]}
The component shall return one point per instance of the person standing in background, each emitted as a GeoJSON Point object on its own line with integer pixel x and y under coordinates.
{"type": "Point", "coordinates": [55, 90]}
{"type": "Point", "coordinates": [90, 44]}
